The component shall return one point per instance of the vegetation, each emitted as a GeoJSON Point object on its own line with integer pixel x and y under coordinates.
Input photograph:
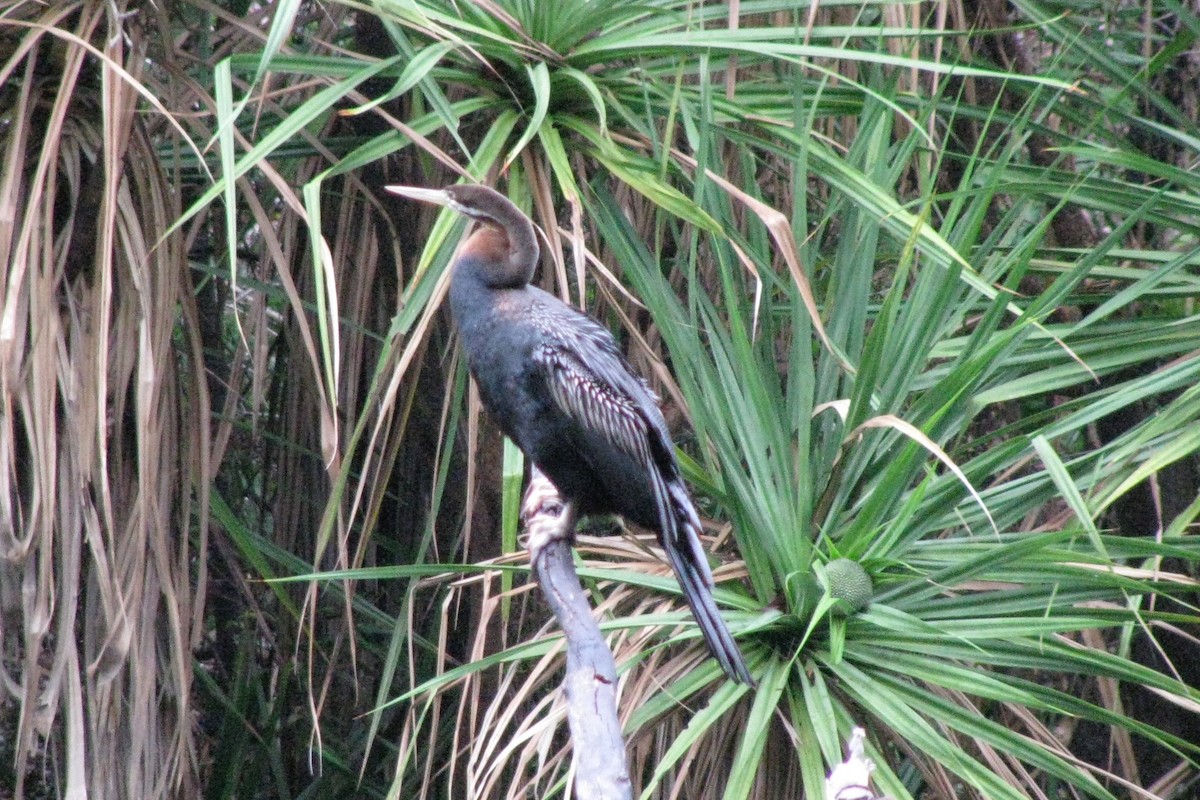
{"type": "Point", "coordinates": [917, 284]}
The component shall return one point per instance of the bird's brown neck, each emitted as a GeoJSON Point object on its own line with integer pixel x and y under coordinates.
{"type": "Point", "coordinates": [502, 253]}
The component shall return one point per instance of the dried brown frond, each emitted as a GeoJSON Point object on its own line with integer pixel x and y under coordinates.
{"type": "Point", "coordinates": [103, 453]}
{"type": "Point", "coordinates": [509, 722]}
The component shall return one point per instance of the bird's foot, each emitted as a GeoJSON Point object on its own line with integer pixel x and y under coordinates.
{"type": "Point", "coordinates": [545, 515]}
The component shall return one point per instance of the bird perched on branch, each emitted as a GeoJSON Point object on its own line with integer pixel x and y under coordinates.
{"type": "Point", "coordinates": [556, 383]}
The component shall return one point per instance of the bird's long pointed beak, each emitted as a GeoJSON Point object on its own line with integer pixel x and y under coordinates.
{"type": "Point", "coordinates": [438, 196]}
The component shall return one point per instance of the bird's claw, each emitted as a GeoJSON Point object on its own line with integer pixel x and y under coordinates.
{"type": "Point", "coordinates": [545, 516]}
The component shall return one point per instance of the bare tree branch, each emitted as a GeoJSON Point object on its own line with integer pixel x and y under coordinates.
{"type": "Point", "coordinates": [601, 772]}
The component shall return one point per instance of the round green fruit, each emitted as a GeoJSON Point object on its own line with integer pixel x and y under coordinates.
{"type": "Point", "coordinates": [848, 581]}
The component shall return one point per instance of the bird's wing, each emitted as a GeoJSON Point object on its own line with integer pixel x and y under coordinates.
{"type": "Point", "coordinates": [604, 403]}
{"type": "Point", "coordinates": [597, 358]}
{"type": "Point", "coordinates": [590, 381]}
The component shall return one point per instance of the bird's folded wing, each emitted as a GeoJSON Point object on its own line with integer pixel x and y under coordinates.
{"type": "Point", "coordinates": [603, 400]}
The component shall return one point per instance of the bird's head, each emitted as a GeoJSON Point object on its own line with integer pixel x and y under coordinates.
{"type": "Point", "coordinates": [504, 250]}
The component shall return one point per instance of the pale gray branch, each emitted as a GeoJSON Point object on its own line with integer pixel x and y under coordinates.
{"type": "Point", "coordinates": [601, 772]}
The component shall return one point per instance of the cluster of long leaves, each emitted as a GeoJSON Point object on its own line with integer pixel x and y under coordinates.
{"type": "Point", "coordinates": [863, 371]}
{"type": "Point", "coordinates": [836, 351]}
{"type": "Point", "coordinates": [104, 423]}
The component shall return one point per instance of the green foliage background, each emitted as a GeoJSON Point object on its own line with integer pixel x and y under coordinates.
{"type": "Point", "coordinates": [916, 281]}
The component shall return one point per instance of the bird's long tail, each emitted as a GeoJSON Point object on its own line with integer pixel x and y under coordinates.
{"type": "Point", "coordinates": [681, 540]}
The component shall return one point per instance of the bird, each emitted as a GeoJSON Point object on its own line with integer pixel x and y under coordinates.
{"type": "Point", "coordinates": [557, 384]}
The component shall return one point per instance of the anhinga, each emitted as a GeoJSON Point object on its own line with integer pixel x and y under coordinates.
{"type": "Point", "coordinates": [556, 383]}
